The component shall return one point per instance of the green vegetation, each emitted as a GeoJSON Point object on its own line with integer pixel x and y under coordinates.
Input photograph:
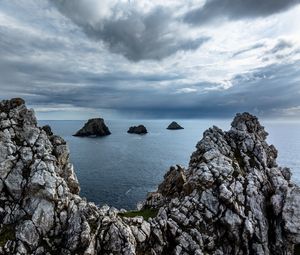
{"type": "Point", "coordinates": [7, 233]}
{"type": "Point", "coordinates": [146, 213]}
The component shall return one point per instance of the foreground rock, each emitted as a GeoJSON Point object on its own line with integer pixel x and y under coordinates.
{"type": "Point", "coordinates": [174, 126]}
{"type": "Point", "coordinates": [141, 129]}
{"type": "Point", "coordinates": [94, 127]}
{"type": "Point", "coordinates": [40, 209]}
{"type": "Point", "coordinates": [233, 198]}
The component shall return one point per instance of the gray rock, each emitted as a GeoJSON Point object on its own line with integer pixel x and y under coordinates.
{"type": "Point", "coordinates": [14, 181]}
{"type": "Point", "coordinates": [27, 233]}
{"type": "Point", "coordinates": [232, 199]}
{"type": "Point", "coordinates": [174, 126]}
{"type": "Point", "coordinates": [291, 214]}
{"type": "Point", "coordinates": [43, 216]}
{"type": "Point", "coordinates": [94, 127]}
{"type": "Point", "coordinates": [140, 130]}
{"type": "Point", "coordinates": [232, 191]}
{"type": "Point", "coordinates": [7, 105]}
{"type": "Point", "coordinates": [48, 130]}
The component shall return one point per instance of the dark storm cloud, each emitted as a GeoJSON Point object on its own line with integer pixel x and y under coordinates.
{"type": "Point", "coordinates": [52, 83]}
{"type": "Point", "coordinates": [43, 83]}
{"type": "Point", "coordinates": [135, 35]}
{"type": "Point", "coordinates": [38, 67]}
{"type": "Point", "coordinates": [237, 9]}
{"type": "Point", "coordinates": [274, 88]}
{"type": "Point", "coordinates": [46, 83]}
{"type": "Point", "coordinates": [56, 67]}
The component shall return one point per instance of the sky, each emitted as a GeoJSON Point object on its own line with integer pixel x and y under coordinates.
{"type": "Point", "coordinates": [151, 59]}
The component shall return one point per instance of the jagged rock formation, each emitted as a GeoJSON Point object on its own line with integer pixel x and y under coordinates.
{"type": "Point", "coordinates": [48, 130]}
{"type": "Point", "coordinates": [40, 210]}
{"type": "Point", "coordinates": [94, 127]}
{"type": "Point", "coordinates": [233, 198]}
{"type": "Point", "coordinates": [174, 126]}
{"type": "Point", "coordinates": [140, 130]}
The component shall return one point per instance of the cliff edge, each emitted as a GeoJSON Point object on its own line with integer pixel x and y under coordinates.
{"type": "Point", "coordinates": [232, 199]}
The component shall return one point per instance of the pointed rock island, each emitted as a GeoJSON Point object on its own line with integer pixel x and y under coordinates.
{"type": "Point", "coordinates": [174, 126]}
{"type": "Point", "coordinates": [140, 130]}
{"type": "Point", "coordinates": [94, 127]}
{"type": "Point", "coordinates": [232, 199]}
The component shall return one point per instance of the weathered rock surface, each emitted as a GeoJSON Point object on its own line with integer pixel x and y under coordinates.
{"type": "Point", "coordinates": [233, 198]}
{"type": "Point", "coordinates": [141, 129]}
{"type": "Point", "coordinates": [174, 126]}
{"type": "Point", "coordinates": [48, 130]}
{"type": "Point", "coordinates": [94, 127]}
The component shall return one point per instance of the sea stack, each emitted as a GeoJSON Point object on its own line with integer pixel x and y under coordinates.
{"type": "Point", "coordinates": [94, 127]}
{"type": "Point", "coordinates": [174, 126]}
{"type": "Point", "coordinates": [140, 130]}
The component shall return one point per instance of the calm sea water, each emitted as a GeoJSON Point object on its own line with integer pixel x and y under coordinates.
{"type": "Point", "coordinates": [121, 168]}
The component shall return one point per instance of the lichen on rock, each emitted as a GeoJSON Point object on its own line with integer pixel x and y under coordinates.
{"type": "Point", "coordinates": [232, 199]}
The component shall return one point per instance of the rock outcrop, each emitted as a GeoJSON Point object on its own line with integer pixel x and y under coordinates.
{"type": "Point", "coordinates": [174, 126]}
{"type": "Point", "coordinates": [140, 130]}
{"type": "Point", "coordinates": [232, 199]}
{"type": "Point", "coordinates": [48, 130]}
{"type": "Point", "coordinates": [94, 127]}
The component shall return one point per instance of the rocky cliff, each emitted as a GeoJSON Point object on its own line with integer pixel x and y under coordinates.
{"type": "Point", "coordinates": [232, 199]}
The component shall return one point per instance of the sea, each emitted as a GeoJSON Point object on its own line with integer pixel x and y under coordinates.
{"type": "Point", "coordinates": [120, 169]}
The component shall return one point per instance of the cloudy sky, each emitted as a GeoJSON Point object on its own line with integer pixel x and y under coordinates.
{"type": "Point", "coordinates": [151, 59]}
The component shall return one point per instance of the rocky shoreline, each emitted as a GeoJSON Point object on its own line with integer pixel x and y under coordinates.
{"type": "Point", "coordinates": [232, 199]}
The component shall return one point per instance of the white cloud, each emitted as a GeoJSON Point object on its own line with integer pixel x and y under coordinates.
{"type": "Point", "coordinates": [186, 90]}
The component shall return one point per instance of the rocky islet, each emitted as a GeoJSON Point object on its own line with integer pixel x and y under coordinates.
{"type": "Point", "coordinates": [174, 126]}
{"type": "Point", "coordinates": [140, 130]}
{"type": "Point", "coordinates": [93, 127]}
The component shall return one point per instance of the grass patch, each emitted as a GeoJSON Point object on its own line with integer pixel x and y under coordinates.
{"type": "Point", "coordinates": [146, 213]}
{"type": "Point", "coordinates": [7, 233]}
